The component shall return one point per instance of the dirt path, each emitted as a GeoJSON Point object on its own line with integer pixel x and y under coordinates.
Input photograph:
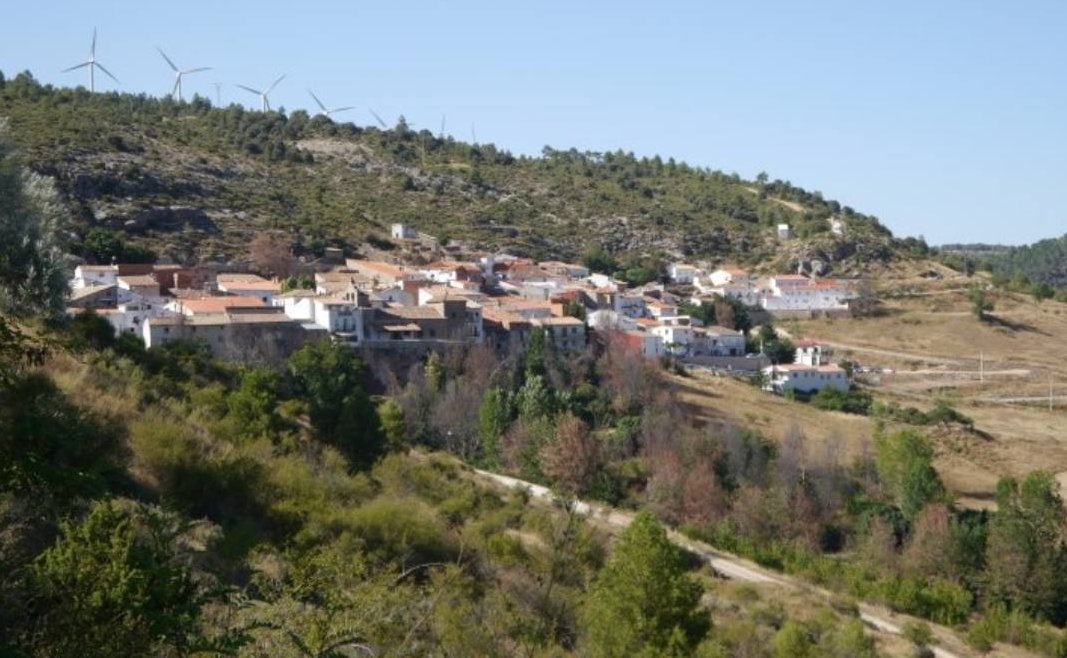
{"type": "Point", "coordinates": [735, 568]}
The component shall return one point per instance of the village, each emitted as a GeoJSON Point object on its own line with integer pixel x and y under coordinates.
{"type": "Point", "coordinates": [390, 304]}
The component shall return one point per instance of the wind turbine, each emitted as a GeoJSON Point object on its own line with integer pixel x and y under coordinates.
{"type": "Point", "coordinates": [322, 108]}
{"type": "Point", "coordinates": [178, 73]}
{"type": "Point", "coordinates": [93, 65]}
{"type": "Point", "coordinates": [381, 122]}
{"type": "Point", "coordinates": [264, 95]}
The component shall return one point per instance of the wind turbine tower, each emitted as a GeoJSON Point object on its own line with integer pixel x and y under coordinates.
{"type": "Point", "coordinates": [178, 74]}
{"type": "Point", "coordinates": [92, 65]}
{"type": "Point", "coordinates": [322, 108]}
{"type": "Point", "coordinates": [264, 96]}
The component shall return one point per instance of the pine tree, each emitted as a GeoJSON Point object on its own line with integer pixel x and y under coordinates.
{"type": "Point", "coordinates": [643, 602]}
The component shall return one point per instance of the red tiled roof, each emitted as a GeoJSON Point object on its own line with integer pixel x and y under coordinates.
{"type": "Point", "coordinates": [219, 304]}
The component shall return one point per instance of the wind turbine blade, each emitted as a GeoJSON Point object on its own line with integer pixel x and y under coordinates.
{"type": "Point", "coordinates": [381, 122]}
{"type": "Point", "coordinates": [317, 101]}
{"type": "Point", "coordinates": [92, 48]}
{"type": "Point", "coordinates": [202, 68]}
{"type": "Point", "coordinates": [271, 88]}
{"type": "Point", "coordinates": [76, 66]}
{"type": "Point", "coordinates": [250, 90]}
{"type": "Point", "coordinates": [174, 89]}
{"type": "Point", "coordinates": [101, 67]}
{"type": "Point", "coordinates": [172, 65]}
{"type": "Point", "coordinates": [342, 109]}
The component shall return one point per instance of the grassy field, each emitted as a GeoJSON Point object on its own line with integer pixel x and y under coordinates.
{"type": "Point", "coordinates": [997, 372]}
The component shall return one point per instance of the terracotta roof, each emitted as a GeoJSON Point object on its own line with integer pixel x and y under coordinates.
{"type": "Point", "coordinates": [219, 304]}
{"type": "Point", "coordinates": [246, 282]}
{"type": "Point", "coordinates": [379, 267]}
{"type": "Point", "coordinates": [139, 280]}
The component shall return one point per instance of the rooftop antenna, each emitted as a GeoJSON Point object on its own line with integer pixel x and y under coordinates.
{"type": "Point", "coordinates": [92, 64]}
{"type": "Point", "coordinates": [178, 74]}
{"type": "Point", "coordinates": [381, 122]}
{"type": "Point", "coordinates": [264, 96]}
{"type": "Point", "coordinates": [322, 108]}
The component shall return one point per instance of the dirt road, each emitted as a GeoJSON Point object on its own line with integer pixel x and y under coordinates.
{"type": "Point", "coordinates": [736, 568]}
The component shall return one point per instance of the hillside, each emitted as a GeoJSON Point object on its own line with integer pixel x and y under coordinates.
{"type": "Point", "coordinates": [1044, 261]}
{"type": "Point", "coordinates": [194, 182]}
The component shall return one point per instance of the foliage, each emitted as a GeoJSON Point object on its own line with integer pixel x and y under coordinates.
{"type": "Point", "coordinates": [106, 246]}
{"type": "Point", "coordinates": [777, 348]}
{"type": "Point", "coordinates": [905, 466]}
{"type": "Point", "coordinates": [494, 418]}
{"type": "Point", "coordinates": [853, 401]}
{"type": "Point", "coordinates": [298, 282]}
{"type": "Point", "coordinates": [981, 305]}
{"type": "Point", "coordinates": [329, 376]}
{"type": "Point", "coordinates": [1026, 558]}
{"type": "Point", "coordinates": [391, 417]}
{"type": "Point", "coordinates": [32, 276]}
{"type": "Point", "coordinates": [1042, 261]}
{"type": "Point", "coordinates": [275, 171]}
{"type": "Point", "coordinates": [47, 442]}
{"type": "Point", "coordinates": [643, 603]}
{"type": "Point", "coordinates": [114, 584]}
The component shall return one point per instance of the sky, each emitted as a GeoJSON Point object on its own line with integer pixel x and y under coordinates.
{"type": "Point", "coordinates": [944, 119]}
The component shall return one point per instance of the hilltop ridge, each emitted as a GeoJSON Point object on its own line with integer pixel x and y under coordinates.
{"type": "Point", "coordinates": [194, 182]}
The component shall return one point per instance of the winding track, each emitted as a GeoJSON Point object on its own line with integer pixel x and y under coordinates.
{"type": "Point", "coordinates": [724, 564]}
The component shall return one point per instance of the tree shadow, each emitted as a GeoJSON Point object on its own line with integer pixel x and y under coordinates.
{"type": "Point", "coordinates": [1004, 323]}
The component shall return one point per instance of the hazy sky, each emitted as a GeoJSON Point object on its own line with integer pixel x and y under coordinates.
{"type": "Point", "coordinates": [946, 119]}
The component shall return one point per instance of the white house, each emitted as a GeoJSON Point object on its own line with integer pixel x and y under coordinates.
{"type": "Point", "coordinates": [804, 378]}
{"type": "Point", "coordinates": [720, 341]}
{"type": "Point", "coordinates": [727, 275]}
{"type": "Point", "coordinates": [249, 285]}
{"type": "Point", "coordinates": [784, 232]}
{"type": "Point", "coordinates": [659, 309]}
{"type": "Point", "coordinates": [683, 273]}
{"type": "Point", "coordinates": [337, 315]}
{"type": "Point", "coordinates": [606, 319]}
{"type": "Point", "coordinates": [403, 232]}
{"type": "Point", "coordinates": [298, 304]}
{"type": "Point", "coordinates": [794, 292]}
{"type": "Point", "coordinates": [811, 353]}
{"type": "Point", "coordinates": [95, 275]}
{"type": "Point", "coordinates": [677, 338]}
{"type": "Point", "coordinates": [837, 226]}
{"type": "Point", "coordinates": [139, 287]}
{"type": "Point", "coordinates": [129, 318]}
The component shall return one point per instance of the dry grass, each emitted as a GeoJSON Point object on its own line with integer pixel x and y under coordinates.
{"type": "Point", "coordinates": [935, 344]}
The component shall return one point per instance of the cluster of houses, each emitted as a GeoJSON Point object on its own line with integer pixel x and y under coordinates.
{"type": "Point", "coordinates": [492, 299]}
